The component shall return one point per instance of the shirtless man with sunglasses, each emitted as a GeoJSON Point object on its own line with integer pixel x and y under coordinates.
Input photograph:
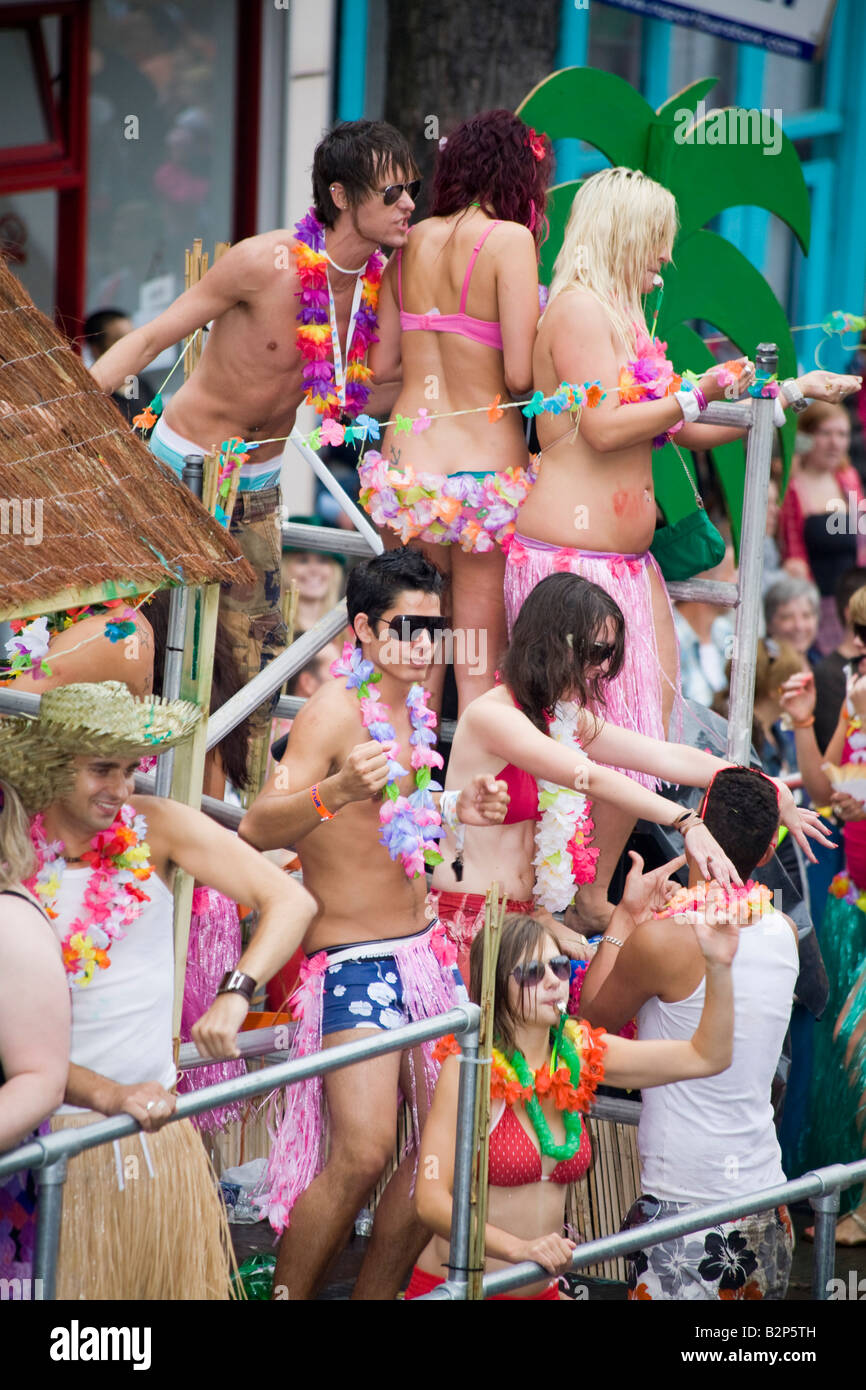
{"type": "Point", "coordinates": [374, 959]}
{"type": "Point", "coordinates": [251, 380]}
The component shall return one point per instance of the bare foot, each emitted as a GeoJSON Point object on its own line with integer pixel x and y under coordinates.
{"type": "Point", "coordinates": [589, 919]}
{"type": "Point", "coordinates": [850, 1230]}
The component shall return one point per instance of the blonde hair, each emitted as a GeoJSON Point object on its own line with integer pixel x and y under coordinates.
{"type": "Point", "coordinates": [857, 607]}
{"type": "Point", "coordinates": [619, 222]}
{"type": "Point", "coordinates": [17, 860]}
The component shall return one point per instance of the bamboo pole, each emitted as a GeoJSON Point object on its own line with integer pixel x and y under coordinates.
{"type": "Point", "coordinates": [494, 913]}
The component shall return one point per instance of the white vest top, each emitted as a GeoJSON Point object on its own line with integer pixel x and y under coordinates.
{"type": "Point", "coordinates": [121, 1021]}
{"type": "Point", "coordinates": [711, 1138]}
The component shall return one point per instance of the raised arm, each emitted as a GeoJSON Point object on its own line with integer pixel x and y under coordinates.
{"type": "Point", "coordinates": [34, 1021]}
{"type": "Point", "coordinates": [635, 1065]}
{"type": "Point", "coordinates": [284, 812]}
{"type": "Point", "coordinates": [235, 277]}
{"type": "Point", "coordinates": [506, 733]}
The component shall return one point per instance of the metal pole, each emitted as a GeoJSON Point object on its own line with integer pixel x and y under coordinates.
{"type": "Point", "coordinates": [464, 1157]}
{"type": "Point", "coordinates": [344, 501]}
{"type": "Point", "coordinates": [193, 467]}
{"type": "Point", "coordinates": [49, 1213]}
{"type": "Point", "coordinates": [826, 1209]}
{"type": "Point", "coordinates": [758, 456]}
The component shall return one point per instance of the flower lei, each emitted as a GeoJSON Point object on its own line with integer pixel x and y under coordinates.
{"type": "Point", "coordinates": [28, 646]}
{"type": "Point", "coordinates": [739, 904]}
{"type": "Point", "coordinates": [317, 329]}
{"type": "Point", "coordinates": [112, 898]}
{"type": "Point", "coordinates": [844, 888]}
{"type": "Point", "coordinates": [408, 826]}
{"type": "Point", "coordinates": [572, 1082]}
{"type": "Point", "coordinates": [564, 858]}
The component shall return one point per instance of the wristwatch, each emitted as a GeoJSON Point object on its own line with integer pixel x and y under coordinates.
{"type": "Point", "coordinates": [794, 396]}
{"type": "Point", "coordinates": [236, 982]}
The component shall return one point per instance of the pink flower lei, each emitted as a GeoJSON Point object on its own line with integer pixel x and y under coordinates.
{"type": "Point", "coordinates": [408, 826]}
{"type": "Point", "coordinates": [739, 904]}
{"type": "Point", "coordinates": [119, 860]}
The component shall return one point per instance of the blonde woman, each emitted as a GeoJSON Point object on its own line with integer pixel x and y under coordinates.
{"type": "Point", "coordinates": [592, 510]}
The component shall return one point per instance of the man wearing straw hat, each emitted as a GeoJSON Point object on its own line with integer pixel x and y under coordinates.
{"type": "Point", "coordinates": [141, 1219]}
{"type": "Point", "coordinates": [291, 315]}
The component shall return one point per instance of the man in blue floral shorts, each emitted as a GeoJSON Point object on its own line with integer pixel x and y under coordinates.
{"type": "Point", "coordinates": [712, 1139]}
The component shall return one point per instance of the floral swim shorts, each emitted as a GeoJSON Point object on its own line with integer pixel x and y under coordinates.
{"type": "Point", "coordinates": [749, 1258]}
{"type": "Point", "coordinates": [365, 990]}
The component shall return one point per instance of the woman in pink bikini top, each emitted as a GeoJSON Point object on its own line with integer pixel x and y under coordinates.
{"type": "Point", "coordinates": [457, 316]}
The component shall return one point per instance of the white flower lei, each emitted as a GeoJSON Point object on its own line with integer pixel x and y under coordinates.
{"type": "Point", "coordinates": [564, 817]}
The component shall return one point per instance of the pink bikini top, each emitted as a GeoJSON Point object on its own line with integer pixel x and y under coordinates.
{"type": "Point", "coordinates": [514, 1160]}
{"type": "Point", "coordinates": [478, 330]}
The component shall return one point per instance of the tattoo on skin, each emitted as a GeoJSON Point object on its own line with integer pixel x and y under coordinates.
{"type": "Point", "coordinates": [395, 456]}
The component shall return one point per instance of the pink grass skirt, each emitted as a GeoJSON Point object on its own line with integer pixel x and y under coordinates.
{"type": "Point", "coordinates": [634, 699]}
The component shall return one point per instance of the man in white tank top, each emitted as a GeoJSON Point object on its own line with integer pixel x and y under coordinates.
{"type": "Point", "coordinates": [105, 866]}
{"type": "Point", "coordinates": [706, 1140]}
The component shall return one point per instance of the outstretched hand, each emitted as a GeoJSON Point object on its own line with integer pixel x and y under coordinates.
{"type": "Point", "coordinates": [829, 386]}
{"type": "Point", "coordinates": [646, 893]}
{"type": "Point", "coordinates": [483, 801]}
{"type": "Point", "coordinates": [802, 822]}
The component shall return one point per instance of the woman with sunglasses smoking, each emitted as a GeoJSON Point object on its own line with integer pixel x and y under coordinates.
{"type": "Point", "coordinates": [536, 733]}
{"type": "Point", "coordinates": [544, 1076]}
{"type": "Point", "coordinates": [457, 313]}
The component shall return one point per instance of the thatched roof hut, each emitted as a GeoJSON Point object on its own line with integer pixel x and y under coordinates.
{"type": "Point", "coordinates": [86, 512]}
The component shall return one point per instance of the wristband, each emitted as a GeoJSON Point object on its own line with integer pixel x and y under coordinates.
{"type": "Point", "coordinates": [320, 806]}
{"type": "Point", "coordinates": [779, 416]}
{"type": "Point", "coordinates": [701, 398]}
{"type": "Point", "coordinates": [236, 982]}
{"type": "Point", "coordinates": [688, 404]}
{"type": "Point", "coordinates": [803, 723]}
{"type": "Point", "coordinates": [614, 940]}
{"type": "Point", "coordinates": [448, 811]}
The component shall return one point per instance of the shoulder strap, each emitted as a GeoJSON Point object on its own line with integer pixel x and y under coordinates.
{"type": "Point", "coordinates": [400, 279]}
{"type": "Point", "coordinates": [472, 259]}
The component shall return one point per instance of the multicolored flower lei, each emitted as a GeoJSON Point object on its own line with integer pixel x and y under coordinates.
{"type": "Point", "coordinates": [738, 904]}
{"type": "Point", "coordinates": [408, 826]}
{"type": "Point", "coordinates": [29, 644]}
{"type": "Point", "coordinates": [317, 325]}
{"type": "Point", "coordinates": [112, 898]}
{"type": "Point", "coordinates": [845, 888]}
{"type": "Point", "coordinates": [563, 858]}
{"type": "Point", "coordinates": [572, 1084]}
{"type": "Point", "coordinates": [448, 509]}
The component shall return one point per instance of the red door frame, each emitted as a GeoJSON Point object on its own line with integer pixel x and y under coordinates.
{"type": "Point", "coordinates": [60, 164]}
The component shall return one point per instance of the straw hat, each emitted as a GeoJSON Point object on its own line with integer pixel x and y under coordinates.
{"type": "Point", "coordinates": [74, 720]}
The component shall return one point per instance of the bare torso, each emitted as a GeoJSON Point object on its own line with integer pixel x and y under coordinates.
{"type": "Point", "coordinates": [582, 499]}
{"type": "Point", "coordinates": [249, 382]}
{"type": "Point", "coordinates": [445, 372]}
{"type": "Point", "coordinates": [362, 894]}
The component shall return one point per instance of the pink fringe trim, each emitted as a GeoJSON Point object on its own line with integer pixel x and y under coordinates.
{"type": "Point", "coordinates": [296, 1117]}
{"type": "Point", "coordinates": [634, 699]}
{"type": "Point", "coordinates": [214, 948]}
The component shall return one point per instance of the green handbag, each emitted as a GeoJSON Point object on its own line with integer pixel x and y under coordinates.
{"type": "Point", "coordinates": [692, 544]}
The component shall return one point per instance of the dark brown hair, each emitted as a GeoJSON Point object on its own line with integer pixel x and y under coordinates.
{"type": "Point", "coordinates": [522, 939]}
{"type": "Point", "coordinates": [358, 155]}
{"type": "Point", "coordinates": [550, 646]}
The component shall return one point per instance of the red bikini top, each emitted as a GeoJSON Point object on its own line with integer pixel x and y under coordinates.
{"type": "Point", "coordinates": [514, 1160]}
{"type": "Point", "coordinates": [523, 791]}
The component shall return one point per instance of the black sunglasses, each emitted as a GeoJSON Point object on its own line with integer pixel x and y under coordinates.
{"type": "Point", "coordinates": [529, 976]}
{"type": "Point", "coordinates": [408, 627]}
{"type": "Point", "coordinates": [860, 631]}
{"type": "Point", "coordinates": [394, 192]}
{"type": "Point", "coordinates": [600, 652]}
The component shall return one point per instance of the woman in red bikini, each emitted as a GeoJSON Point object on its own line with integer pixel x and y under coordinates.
{"type": "Point", "coordinates": [538, 1140]}
{"type": "Point", "coordinates": [454, 488]}
{"type": "Point", "coordinates": [534, 732]}
{"type": "Point", "coordinates": [592, 509]}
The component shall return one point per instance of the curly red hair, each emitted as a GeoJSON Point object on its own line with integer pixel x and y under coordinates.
{"type": "Point", "coordinates": [497, 161]}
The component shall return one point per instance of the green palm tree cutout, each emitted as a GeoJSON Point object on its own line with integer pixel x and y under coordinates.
{"type": "Point", "coordinates": [710, 279]}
